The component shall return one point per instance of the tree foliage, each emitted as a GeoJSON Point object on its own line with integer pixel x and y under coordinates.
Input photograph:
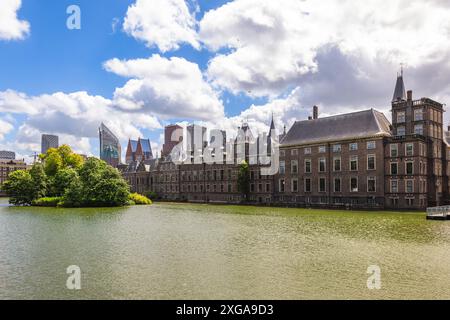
{"type": "Point", "coordinates": [244, 179]}
{"type": "Point", "coordinates": [65, 176]}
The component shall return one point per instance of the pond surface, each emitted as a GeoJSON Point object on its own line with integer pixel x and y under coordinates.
{"type": "Point", "coordinates": [187, 251]}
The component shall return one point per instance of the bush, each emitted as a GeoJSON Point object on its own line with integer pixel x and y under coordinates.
{"type": "Point", "coordinates": [47, 202]}
{"type": "Point", "coordinates": [151, 195]}
{"type": "Point", "coordinates": [140, 199]}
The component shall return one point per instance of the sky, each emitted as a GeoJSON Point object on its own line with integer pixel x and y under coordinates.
{"type": "Point", "coordinates": [138, 65]}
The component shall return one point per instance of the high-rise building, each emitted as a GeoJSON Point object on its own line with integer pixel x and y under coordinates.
{"type": "Point", "coordinates": [7, 155]}
{"type": "Point", "coordinates": [110, 150]}
{"type": "Point", "coordinates": [49, 141]}
{"type": "Point", "coordinates": [173, 134]}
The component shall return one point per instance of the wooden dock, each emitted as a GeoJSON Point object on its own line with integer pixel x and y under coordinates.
{"type": "Point", "coordinates": [438, 213]}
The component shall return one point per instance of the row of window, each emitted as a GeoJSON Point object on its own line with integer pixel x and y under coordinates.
{"type": "Point", "coordinates": [322, 185]}
{"type": "Point", "coordinates": [370, 145]}
{"type": "Point", "coordinates": [409, 186]}
{"type": "Point", "coordinates": [322, 164]}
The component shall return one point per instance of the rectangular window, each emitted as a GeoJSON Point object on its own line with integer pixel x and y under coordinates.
{"type": "Point", "coordinates": [354, 163]}
{"type": "Point", "coordinates": [409, 186]}
{"type": "Point", "coordinates": [307, 150]}
{"type": "Point", "coordinates": [337, 164]}
{"type": "Point", "coordinates": [294, 166]}
{"type": "Point", "coordinates": [282, 153]}
{"type": "Point", "coordinates": [322, 165]}
{"type": "Point", "coordinates": [353, 146]}
{"type": "Point", "coordinates": [401, 131]}
{"type": "Point", "coordinates": [371, 184]}
{"type": "Point", "coordinates": [418, 114]}
{"type": "Point", "coordinates": [410, 168]}
{"type": "Point", "coordinates": [307, 185]}
{"type": "Point", "coordinates": [371, 162]}
{"type": "Point", "coordinates": [371, 145]}
{"type": "Point", "coordinates": [394, 186]}
{"type": "Point", "coordinates": [294, 185]}
{"type": "Point", "coordinates": [337, 185]}
{"type": "Point", "coordinates": [281, 185]}
{"type": "Point", "coordinates": [322, 149]}
{"type": "Point", "coordinates": [354, 184]}
{"type": "Point", "coordinates": [401, 117]}
{"type": "Point", "coordinates": [294, 152]}
{"type": "Point", "coordinates": [322, 185]}
{"type": "Point", "coordinates": [308, 166]}
{"type": "Point", "coordinates": [409, 149]}
{"type": "Point", "coordinates": [418, 129]}
{"type": "Point", "coordinates": [394, 150]}
{"type": "Point", "coordinates": [337, 148]}
{"type": "Point", "coordinates": [394, 168]}
{"type": "Point", "coordinates": [282, 167]}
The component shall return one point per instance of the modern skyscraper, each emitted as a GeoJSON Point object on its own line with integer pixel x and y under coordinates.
{"type": "Point", "coordinates": [110, 150]}
{"type": "Point", "coordinates": [7, 155]}
{"type": "Point", "coordinates": [173, 134]}
{"type": "Point", "coordinates": [49, 141]}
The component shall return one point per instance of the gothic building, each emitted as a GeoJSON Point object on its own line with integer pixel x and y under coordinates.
{"type": "Point", "coordinates": [354, 160]}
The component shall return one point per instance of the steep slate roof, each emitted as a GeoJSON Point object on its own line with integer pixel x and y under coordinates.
{"type": "Point", "coordinates": [399, 92]}
{"type": "Point", "coordinates": [134, 144]}
{"type": "Point", "coordinates": [146, 146]}
{"type": "Point", "coordinates": [362, 124]}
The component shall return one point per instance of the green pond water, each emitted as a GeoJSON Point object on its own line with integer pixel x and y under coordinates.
{"type": "Point", "coordinates": [185, 251]}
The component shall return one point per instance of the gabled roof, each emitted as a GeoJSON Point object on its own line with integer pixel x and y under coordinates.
{"type": "Point", "coordinates": [146, 146]}
{"type": "Point", "coordinates": [362, 124]}
{"type": "Point", "coordinates": [134, 144]}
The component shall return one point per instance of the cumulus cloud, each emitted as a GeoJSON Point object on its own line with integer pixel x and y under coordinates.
{"type": "Point", "coordinates": [162, 23]}
{"type": "Point", "coordinates": [5, 128]}
{"type": "Point", "coordinates": [270, 46]}
{"type": "Point", "coordinates": [11, 28]}
{"type": "Point", "coordinates": [170, 88]}
{"type": "Point", "coordinates": [75, 117]}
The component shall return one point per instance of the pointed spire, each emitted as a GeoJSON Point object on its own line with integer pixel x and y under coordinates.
{"type": "Point", "coordinates": [400, 91]}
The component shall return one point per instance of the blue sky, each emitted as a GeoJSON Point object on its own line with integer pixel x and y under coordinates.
{"type": "Point", "coordinates": [145, 64]}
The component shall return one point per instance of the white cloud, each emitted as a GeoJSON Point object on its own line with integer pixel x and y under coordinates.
{"type": "Point", "coordinates": [164, 23]}
{"type": "Point", "coordinates": [5, 128]}
{"type": "Point", "coordinates": [11, 28]}
{"type": "Point", "coordinates": [169, 88]}
{"type": "Point", "coordinates": [273, 44]}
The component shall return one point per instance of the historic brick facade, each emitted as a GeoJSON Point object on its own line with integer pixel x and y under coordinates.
{"type": "Point", "coordinates": [355, 160]}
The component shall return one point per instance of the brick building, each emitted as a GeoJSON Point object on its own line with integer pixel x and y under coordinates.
{"type": "Point", "coordinates": [6, 167]}
{"type": "Point", "coordinates": [354, 160]}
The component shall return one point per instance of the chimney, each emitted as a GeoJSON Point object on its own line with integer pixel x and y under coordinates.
{"type": "Point", "coordinates": [409, 95]}
{"type": "Point", "coordinates": [315, 112]}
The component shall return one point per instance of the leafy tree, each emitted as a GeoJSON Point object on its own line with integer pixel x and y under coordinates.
{"type": "Point", "coordinates": [40, 181]}
{"type": "Point", "coordinates": [20, 188]}
{"type": "Point", "coordinates": [74, 195]}
{"type": "Point", "coordinates": [244, 179]}
{"type": "Point", "coordinates": [60, 158]}
{"type": "Point", "coordinates": [62, 181]}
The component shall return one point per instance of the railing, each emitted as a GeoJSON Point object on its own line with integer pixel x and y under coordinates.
{"type": "Point", "coordinates": [443, 212]}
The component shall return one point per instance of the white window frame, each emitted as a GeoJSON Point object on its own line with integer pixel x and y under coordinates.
{"type": "Point", "coordinates": [334, 164]}
{"type": "Point", "coordinates": [318, 186]}
{"type": "Point", "coordinates": [350, 163]}
{"type": "Point", "coordinates": [357, 184]}
{"type": "Point", "coordinates": [401, 116]}
{"type": "Point", "coordinates": [406, 168]}
{"type": "Point", "coordinates": [375, 180]}
{"type": "Point", "coordinates": [392, 148]}
{"type": "Point", "coordinates": [396, 181]}
{"type": "Point", "coordinates": [310, 165]}
{"type": "Point", "coordinates": [322, 149]}
{"type": "Point", "coordinates": [325, 165]}
{"type": "Point", "coordinates": [337, 147]}
{"type": "Point", "coordinates": [406, 185]}
{"type": "Point", "coordinates": [292, 185]}
{"type": "Point", "coordinates": [374, 162]}
{"type": "Point", "coordinates": [406, 149]}
{"type": "Point", "coordinates": [369, 144]}
{"type": "Point", "coordinates": [353, 146]}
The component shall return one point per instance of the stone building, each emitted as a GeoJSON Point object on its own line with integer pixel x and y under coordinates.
{"type": "Point", "coordinates": [354, 160]}
{"type": "Point", "coordinates": [6, 167]}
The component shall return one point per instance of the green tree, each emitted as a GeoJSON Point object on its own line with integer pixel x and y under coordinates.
{"type": "Point", "coordinates": [40, 181]}
{"type": "Point", "coordinates": [244, 179]}
{"type": "Point", "coordinates": [60, 158]}
{"type": "Point", "coordinates": [62, 181]}
{"type": "Point", "coordinates": [20, 188]}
